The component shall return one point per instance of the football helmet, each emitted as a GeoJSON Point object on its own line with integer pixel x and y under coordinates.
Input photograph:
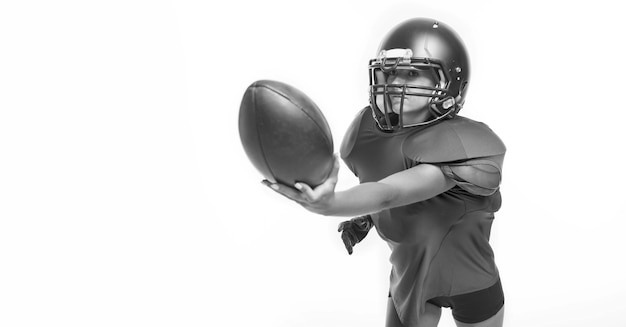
{"type": "Point", "coordinates": [426, 45]}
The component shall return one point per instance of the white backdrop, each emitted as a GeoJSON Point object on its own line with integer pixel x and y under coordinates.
{"type": "Point", "coordinates": [127, 200]}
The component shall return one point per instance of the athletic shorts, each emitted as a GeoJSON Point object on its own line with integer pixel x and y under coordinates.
{"type": "Point", "coordinates": [473, 307]}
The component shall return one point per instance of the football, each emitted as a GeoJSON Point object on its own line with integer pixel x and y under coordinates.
{"type": "Point", "coordinates": [284, 134]}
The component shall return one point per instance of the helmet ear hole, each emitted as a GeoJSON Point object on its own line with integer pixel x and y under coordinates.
{"type": "Point", "coordinates": [463, 88]}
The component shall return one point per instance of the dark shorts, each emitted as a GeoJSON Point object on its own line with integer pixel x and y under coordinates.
{"type": "Point", "coordinates": [473, 307]}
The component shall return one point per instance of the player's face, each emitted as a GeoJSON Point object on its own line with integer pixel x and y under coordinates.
{"type": "Point", "coordinates": [415, 108]}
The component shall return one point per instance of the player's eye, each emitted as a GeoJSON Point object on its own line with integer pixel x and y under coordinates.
{"type": "Point", "coordinates": [380, 76]}
{"type": "Point", "coordinates": [414, 73]}
{"type": "Point", "coordinates": [392, 72]}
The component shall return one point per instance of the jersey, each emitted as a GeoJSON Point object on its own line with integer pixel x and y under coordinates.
{"type": "Point", "coordinates": [439, 246]}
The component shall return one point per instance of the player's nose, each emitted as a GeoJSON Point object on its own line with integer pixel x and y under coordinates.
{"type": "Point", "coordinates": [398, 79]}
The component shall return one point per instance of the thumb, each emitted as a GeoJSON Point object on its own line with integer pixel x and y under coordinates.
{"type": "Point", "coordinates": [305, 189]}
{"type": "Point", "coordinates": [335, 171]}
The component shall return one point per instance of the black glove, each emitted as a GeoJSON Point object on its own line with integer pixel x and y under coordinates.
{"type": "Point", "coordinates": [354, 231]}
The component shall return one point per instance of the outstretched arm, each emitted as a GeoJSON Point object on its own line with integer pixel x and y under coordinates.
{"type": "Point", "coordinates": [416, 184]}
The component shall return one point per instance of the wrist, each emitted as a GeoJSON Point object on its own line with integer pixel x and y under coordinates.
{"type": "Point", "coordinates": [324, 206]}
{"type": "Point", "coordinates": [329, 206]}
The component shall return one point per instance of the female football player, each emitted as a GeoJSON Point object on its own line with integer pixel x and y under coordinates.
{"type": "Point", "coordinates": [429, 181]}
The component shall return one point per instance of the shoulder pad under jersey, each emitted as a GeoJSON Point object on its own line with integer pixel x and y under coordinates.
{"type": "Point", "coordinates": [452, 140]}
{"type": "Point", "coordinates": [477, 176]}
{"type": "Point", "coordinates": [349, 138]}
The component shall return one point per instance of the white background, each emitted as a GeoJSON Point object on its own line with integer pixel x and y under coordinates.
{"type": "Point", "coordinates": [126, 198]}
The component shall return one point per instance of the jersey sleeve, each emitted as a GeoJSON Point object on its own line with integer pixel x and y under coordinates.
{"type": "Point", "coordinates": [349, 140]}
{"type": "Point", "coordinates": [480, 176]}
{"type": "Point", "coordinates": [468, 152]}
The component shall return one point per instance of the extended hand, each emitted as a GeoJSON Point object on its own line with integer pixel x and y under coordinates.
{"type": "Point", "coordinates": [318, 200]}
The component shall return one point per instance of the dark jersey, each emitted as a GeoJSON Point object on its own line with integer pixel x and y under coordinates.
{"type": "Point", "coordinates": [439, 246]}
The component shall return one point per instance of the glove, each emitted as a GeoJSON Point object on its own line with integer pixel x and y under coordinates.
{"type": "Point", "coordinates": [354, 231]}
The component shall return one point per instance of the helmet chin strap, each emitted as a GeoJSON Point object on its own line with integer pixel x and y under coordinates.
{"type": "Point", "coordinates": [450, 106]}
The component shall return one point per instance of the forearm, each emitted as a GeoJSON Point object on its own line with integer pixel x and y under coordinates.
{"type": "Point", "coordinates": [393, 191]}
{"type": "Point", "coordinates": [408, 186]}
{"type": "Point", "coordinates": [362, 199]}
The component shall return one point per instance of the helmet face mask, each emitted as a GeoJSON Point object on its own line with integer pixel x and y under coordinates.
{"type": "Point", "coordinates": [382, 67]}
{"type": "Point", "coordinates": [428, 47]}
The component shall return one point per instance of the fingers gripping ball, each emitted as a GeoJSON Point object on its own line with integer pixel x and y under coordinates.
{"type": "Point", "coordinates": [284, 134]}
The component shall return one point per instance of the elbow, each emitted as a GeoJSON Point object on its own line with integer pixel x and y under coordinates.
{"type": "Point", "coordinates": [389, 199]}
{"type": "Point", "coordinates": [386, 204]}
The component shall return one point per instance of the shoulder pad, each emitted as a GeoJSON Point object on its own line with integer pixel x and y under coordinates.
{"type": "Point", "coordinates": [452, 140]}
{"type": "Point", "coordinates": [349, 138]}
{"type": "Point", "coordinates": [477, 176]}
